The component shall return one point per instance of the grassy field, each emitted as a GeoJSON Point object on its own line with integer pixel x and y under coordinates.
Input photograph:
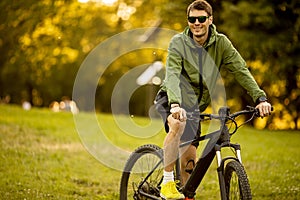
{"type": "Point", "coordinates": [42, 157]}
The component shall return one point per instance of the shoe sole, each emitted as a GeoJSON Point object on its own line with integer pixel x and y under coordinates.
{"type": "Point", "coordinates": [164, 198]}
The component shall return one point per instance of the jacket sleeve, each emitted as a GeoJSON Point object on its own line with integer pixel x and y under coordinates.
{"type": "Point", "coordinates": [233, 61]}
{"type": "Point", "coordinates": [173, 72]}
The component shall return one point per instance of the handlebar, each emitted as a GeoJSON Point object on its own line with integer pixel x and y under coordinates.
{"type": "Point", "coordinates": [224, 113]}
{"type": "Point", "coordinates": [225, 116]}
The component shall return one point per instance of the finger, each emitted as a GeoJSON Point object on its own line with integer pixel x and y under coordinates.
{"type": "Point", "coordinates": [184, 114]}
{"type": "Point", "coordinates": [170, 117]}
{"type": "Point", "coordinates": [175, 115]}
{"type": "Point", "coordinates": [261, 112]}
{"type": "Point", "coordinates": [265, 111]}
{"type": "Point", "coordinates": [180, 115]}
{"type": "Point", "coordinates": [268, 109]}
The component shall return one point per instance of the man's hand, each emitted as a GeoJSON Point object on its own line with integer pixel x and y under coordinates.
{"type": "Point", "coordinates": [177, 112]}
{"type": "Point", "coordinates": [176, 126]}
{"type": "Point", "coordinates": [264, 108]}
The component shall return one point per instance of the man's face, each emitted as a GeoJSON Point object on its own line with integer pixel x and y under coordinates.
{"type": "Point", "coordinates": [199, 29]}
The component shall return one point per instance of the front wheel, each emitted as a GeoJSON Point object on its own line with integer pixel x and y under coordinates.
{"type": "Point", "coordinates": [236, 182]}
{"type": "Point", "coordinates": [142, 174]}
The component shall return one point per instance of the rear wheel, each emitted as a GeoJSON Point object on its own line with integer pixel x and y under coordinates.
{"type": "Point", "coordinates": [236, 182]}
{"type": "Point", "coordinates": [142, 174]}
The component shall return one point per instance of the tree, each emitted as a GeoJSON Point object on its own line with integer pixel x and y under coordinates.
{"type": "Point", "coordinates": [267, 34]}
{"type": "Point", "coordinates": [43, 44]}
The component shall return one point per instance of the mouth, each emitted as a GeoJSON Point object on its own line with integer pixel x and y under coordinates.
{"type": "Point", "coordinates": [197, 29]}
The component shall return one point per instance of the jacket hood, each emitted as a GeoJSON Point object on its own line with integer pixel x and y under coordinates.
{"type": "Point", "coordinates": [190, 42]}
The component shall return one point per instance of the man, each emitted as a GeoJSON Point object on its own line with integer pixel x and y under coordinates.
{"type": "Point", "coordinates": [185, 87]}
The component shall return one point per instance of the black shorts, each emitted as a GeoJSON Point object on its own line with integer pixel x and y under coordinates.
{"type": "Point", "coordinates": [192, 128]}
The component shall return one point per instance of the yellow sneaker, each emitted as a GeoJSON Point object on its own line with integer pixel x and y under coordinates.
{"type": "Point", "coordinates": [169, 191]}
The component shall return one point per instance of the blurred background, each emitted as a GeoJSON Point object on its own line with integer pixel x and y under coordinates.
{"type": "Point", "coordinates": [43, 43]}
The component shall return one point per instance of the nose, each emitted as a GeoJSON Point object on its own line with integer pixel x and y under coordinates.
{"type": "Point", "coordinates": [197, 22]}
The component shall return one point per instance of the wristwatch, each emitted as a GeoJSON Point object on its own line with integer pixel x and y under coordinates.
{"type": "Point", "coordinates": [261, 99]}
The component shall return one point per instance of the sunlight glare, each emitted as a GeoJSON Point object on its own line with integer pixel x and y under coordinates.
{"type": "Point", "coordinates": [83, 1]}
{"type": "Point", "coordinates": [109, 2]}
{"type": "Point", "coordinates": [105, 2]}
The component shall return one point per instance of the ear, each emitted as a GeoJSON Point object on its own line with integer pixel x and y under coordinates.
{"type": "Point", "coordinates": [210, 19]}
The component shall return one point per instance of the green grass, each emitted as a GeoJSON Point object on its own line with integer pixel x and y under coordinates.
{"type": "Point", "coordinates": [42, 157]}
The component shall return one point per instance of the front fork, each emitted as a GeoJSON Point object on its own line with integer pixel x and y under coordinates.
{"type": "Point", "coordinates": [221, 165]}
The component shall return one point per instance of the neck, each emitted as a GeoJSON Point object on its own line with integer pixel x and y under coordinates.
{"type": "Point", "coordinates": [200, 40]}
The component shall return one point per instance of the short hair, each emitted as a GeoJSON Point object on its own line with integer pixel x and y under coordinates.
{"type": "Point", "coordinates": [200, 5]}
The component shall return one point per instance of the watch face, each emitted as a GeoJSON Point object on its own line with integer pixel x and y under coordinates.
{"type": "Point", "coordinates": [261, 99]}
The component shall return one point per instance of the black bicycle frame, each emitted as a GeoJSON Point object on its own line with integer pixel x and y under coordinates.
{"type": "Point", "coordinates": [217, 139]}
{"type": "Point", "coordinates": [202, 164]}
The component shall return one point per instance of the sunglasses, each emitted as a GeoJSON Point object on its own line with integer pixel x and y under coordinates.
{"type": "Point", "coordinates": [201, 19]}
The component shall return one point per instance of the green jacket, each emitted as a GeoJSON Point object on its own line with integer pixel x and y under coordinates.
{"type": "Point", "coordinates": [183, 67]}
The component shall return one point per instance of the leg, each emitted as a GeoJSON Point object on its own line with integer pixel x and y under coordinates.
{"type": "Point", "coordinates": [171, 146]}
{"type": "Point", "coordinates": [187, 161]}
{"type": "Point", "coordinates": [171, 143]}
{"type": "Point", "coordinates": [188, 154]}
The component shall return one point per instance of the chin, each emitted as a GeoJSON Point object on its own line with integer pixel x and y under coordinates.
{"type": "Point", "coordinates": [197, 32]}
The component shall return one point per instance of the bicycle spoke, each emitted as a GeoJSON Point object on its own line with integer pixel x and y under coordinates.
{"type": "Point", "coordinates": [234, 187]}
{"type": "Point", "coordinates": [145, 170]}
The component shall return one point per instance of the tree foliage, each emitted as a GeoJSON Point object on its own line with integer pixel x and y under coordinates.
{"type": "Point", "coordinates": [267, 34]}
{"type": "Point", "coordinates": [43, 44]}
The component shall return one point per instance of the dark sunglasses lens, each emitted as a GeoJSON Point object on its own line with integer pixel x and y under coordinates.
{"type": "Point", "coordinates": [202, 19]}
{"type": "Point", "coordinates": [192, 19]}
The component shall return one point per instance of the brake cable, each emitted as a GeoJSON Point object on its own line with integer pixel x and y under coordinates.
{"type": "Point", "coordinates": [247, 121]}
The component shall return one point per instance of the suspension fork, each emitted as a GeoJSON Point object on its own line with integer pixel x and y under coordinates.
{"type": "Point", "coordinates": [221, 163]}
{"type": "Point", "coordinates": [220, 171]}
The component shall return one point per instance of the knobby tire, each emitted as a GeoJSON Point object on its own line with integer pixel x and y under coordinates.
{"type": "Point", "coordinates": [236, 182]}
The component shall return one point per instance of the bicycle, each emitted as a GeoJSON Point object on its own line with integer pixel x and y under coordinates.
{"type": "Point", "coordinates": [143, 171]}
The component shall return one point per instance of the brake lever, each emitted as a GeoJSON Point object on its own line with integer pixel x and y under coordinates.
{"type": "Point", "coordinates": [250, 108]}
